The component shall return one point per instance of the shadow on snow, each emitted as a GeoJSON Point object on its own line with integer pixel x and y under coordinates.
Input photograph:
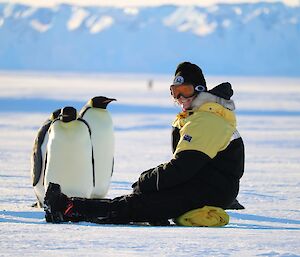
{"type": "Point", "coordinates": [37, 217]}
{"type": "Point", "coordinates": [259, 218]}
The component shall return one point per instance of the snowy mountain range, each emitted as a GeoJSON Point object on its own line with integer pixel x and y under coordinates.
{"type": "Point", "coordinates": [226, 39]}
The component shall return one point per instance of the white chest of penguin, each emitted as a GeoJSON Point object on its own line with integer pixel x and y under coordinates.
{"type": "Point", "coordinates": [102, 135]}
{"type": "Point", "coordinates": [69, 158]}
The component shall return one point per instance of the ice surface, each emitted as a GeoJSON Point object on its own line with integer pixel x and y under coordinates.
{"type": "Point", "coordinates": [268, 119]}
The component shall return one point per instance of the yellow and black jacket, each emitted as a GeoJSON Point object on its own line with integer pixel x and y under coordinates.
{"type": "Point", "coordinates": [208, 153]}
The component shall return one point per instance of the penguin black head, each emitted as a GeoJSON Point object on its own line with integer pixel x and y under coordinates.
{"type": "Point", "coordinates": [100, 101]}
{"type": "Point", "coordinates": [68, 114]}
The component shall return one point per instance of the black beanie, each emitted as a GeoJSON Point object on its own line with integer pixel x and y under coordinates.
{"type": "Point", "coordinates": [189, 73]}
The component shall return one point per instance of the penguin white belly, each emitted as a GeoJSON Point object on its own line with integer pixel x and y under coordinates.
{"type": "Point", "coordinates": [69, 158]}
{"type": "Point", "coordinates": [101, 126]}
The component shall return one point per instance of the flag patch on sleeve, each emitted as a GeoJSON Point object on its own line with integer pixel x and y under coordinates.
{"type": "Point", "coordinates": [187, 138]}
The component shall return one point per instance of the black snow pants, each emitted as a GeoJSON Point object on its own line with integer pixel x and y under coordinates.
{"type": "Point", "coordinates": [156, 206]}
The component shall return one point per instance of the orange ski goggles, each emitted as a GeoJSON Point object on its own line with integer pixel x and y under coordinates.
{"type": "Point", "coordinates": [185, 90]}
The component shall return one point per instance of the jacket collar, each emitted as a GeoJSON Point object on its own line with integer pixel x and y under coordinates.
{"type": "Point", "coordinates": [205, 97]}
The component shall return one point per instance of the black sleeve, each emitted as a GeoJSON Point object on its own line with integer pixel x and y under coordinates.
{"type": "Point", "coordinates": [135, 184]}
{"type": "Point", "coordinates": [177, 171]}
{"type": "Point", "coordinates": [175, 138]}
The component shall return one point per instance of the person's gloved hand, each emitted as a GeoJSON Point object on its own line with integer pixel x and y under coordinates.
{"type": "Point", "coordinates": [136, 188]}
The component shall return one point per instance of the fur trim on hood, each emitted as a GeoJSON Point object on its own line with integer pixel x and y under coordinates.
{"type": "Point", "coordinates": [205, 97]}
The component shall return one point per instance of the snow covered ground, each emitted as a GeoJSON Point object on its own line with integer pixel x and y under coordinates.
{"type": "Point", "coordinates": [268, 119]}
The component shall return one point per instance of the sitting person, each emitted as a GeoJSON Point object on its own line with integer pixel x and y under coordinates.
{"type": "Point", "coordinates": [207, 164]}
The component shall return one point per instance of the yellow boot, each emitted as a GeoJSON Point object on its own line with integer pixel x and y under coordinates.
{"type": "Point", "coordinates": [207, 216]}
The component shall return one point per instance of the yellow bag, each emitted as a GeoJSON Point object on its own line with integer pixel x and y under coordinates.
{"type": "Point", "coordinates": [207, 216]}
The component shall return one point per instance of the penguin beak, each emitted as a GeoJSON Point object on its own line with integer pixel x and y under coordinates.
{"type": "Point", "coordinates": [108, 100]}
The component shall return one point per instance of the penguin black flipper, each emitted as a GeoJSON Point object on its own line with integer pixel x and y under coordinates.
{"type": "Point", "coordinates": [37, 158]}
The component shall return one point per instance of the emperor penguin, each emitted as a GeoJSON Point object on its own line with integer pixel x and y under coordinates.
{"type": "Point", "coordinates": [100, 122]}
{"type": "Point", "coordinates": [70, 155]}
{"type": "Point", "coordinates": [38, 159]}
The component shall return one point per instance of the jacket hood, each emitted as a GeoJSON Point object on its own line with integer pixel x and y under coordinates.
{"type": "Point", "coordinates": [224, 90]}
{"type": "Point", "coordinates": [220, 94]}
